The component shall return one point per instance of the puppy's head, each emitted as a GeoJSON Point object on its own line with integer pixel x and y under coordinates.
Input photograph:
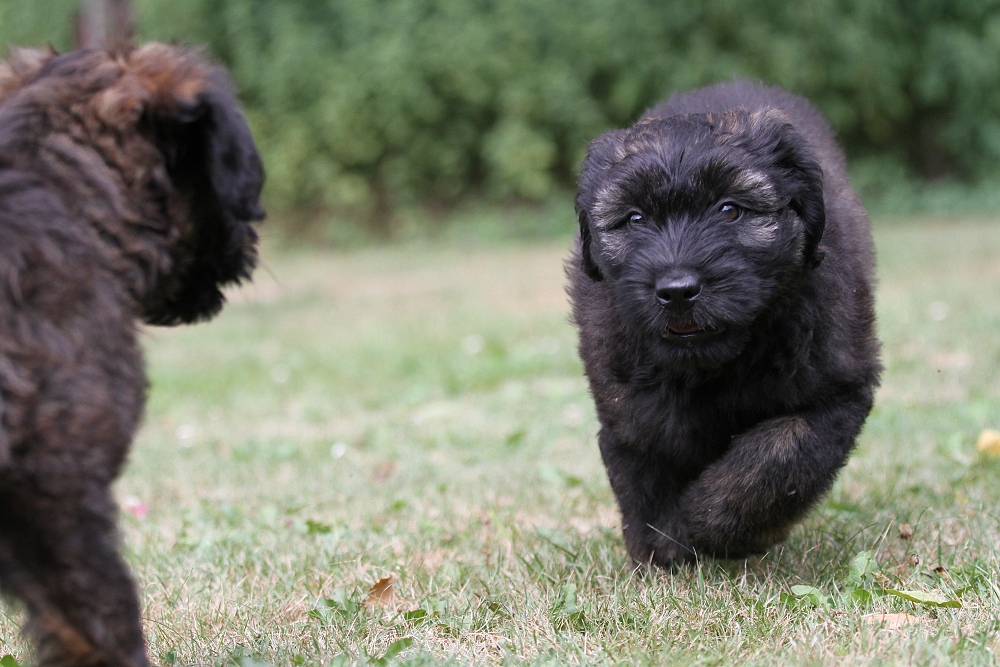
{"type": "Point", "coordinates": [214, 169]}
{"type": "Point", "coordinates": [160, 157]}
{"type": "Point", "coordinates": [699, 224]}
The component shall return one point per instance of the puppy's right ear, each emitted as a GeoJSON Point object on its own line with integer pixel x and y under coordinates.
{"type": "Point", "coordinates": [602, 153]}
{"type": "Point", "coordinates": [586, 252]}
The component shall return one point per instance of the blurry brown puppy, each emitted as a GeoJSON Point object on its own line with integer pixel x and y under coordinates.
{"type": "Point", "coordinates": [128, 182]}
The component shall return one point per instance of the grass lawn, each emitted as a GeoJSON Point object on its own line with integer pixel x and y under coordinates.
{"type": "Point", "coordinates": [419, 413]}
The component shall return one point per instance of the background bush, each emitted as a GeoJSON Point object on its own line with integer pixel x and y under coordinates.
{"type": "Point", "coordinates": [365, 107]}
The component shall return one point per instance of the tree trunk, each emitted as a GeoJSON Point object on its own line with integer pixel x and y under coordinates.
{"type": "Point", "coordinates": [104, 24]}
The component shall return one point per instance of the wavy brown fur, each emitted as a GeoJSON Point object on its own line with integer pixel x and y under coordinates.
{"type": "Point", "coordinates": [128, 183]}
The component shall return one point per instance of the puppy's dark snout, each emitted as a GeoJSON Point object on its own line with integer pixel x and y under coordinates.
{"type": "Point", "coordinates": [678, 290]}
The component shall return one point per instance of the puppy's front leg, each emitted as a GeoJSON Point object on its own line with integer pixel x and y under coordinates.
{"type": "Point", "coordinates": [649, 499]}
{"type": "Point", "coordinates": [770, 476]}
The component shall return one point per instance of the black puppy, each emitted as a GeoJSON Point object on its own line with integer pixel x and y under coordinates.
{"type": "Point", "coordinates": [722, 286]}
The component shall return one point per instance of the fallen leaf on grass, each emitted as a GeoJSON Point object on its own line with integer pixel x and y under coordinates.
{"type": "Point", "coordinates": [812, 595]}
{"type": "Point", "coordinates": [890, 621]}
{"type": "Point", "coordinates": [339, 603]}
{"type": "Point", "coordinates": [568, 610]}
{"type": "Point", "coordinates": [558, 539]}
{"type": "Point", "coordinates": [391, 651]}
{"type": "Point", "coordinates": [557, 476]}
{"type": "Point", "coordinates": [415, 615]}
{"type": "Point", "coordinates": [248, 661]}
{"type": "Point", "coordinates": [929, 599]}
{"type": "Point", "coordinates": [383, 472]}
{"type": "Point", "coordinates": [317, 527]}
{"type": "Point", "coordinates": [988, 443]}
{"type": "Point", "coordinates": [381, 592]}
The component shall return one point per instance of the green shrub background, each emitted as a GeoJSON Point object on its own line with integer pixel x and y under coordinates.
{"type": "Point", "coordinates": [364, 108]}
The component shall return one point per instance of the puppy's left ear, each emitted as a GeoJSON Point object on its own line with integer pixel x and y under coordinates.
{"type": "Point", "coordinates": [808, 203]}
{"type": "Point", "coordinates": [212, 162]}
{"type": "Point", "coordinates": [231, 162]}
{"type": "Point", "coordinates": [800, 174]}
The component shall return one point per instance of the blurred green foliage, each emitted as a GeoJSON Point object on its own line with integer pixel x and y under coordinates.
{"type": "Point", "coordinates": [365, 107]}
{"type": "Point", "coordinates": [36, 24]}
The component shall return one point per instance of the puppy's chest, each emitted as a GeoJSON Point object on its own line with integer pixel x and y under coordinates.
{"type": "Point", "coordinates": [693, 425]}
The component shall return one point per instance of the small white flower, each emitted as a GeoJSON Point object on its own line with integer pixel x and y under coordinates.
{"type": "Point", "coordinates": [938, 311]}
{"type": "Point", "coordinates": [548, 346]}
{"type": "Point", "coordinates": [573, 416]}
{"type": "Point", "coordinates": [473, 344]}
{"type": "Point", "coordinates": [185, 433]}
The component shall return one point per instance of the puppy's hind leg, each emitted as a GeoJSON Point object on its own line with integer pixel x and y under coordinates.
{"type": "Point", "coordinates": [771, 476]}
{"type": "Point", "coordinates": [59, 555]}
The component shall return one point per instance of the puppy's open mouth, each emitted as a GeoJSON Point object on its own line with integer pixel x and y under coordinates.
{"type": "Point", "coordinates": [689, 333]}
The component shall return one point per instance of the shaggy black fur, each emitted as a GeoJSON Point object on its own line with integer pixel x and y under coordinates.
{"type": "Point", "coordinates": [722, 286]}
{"type": "Point", "coordinates": [128, 183]}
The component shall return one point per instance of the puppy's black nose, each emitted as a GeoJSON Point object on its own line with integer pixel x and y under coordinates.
{"type": "Point", "coordinates": [678, 290]}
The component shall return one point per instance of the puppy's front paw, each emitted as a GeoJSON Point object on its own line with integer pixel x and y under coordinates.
{"type": "Point", "coordinates": [728, 530]}
{"type": "Point", "coordinates": [653, 547]}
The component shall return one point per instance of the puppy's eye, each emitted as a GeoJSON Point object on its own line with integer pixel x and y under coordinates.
{"type": "Point", "coordinates": [731, 212]}
{"type": "Point", "coordinates": [636, 218]}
